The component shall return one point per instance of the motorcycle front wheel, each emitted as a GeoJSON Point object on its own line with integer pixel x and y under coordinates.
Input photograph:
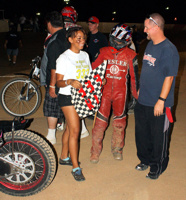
{"type": "Point", "coordinates": [35, 160]}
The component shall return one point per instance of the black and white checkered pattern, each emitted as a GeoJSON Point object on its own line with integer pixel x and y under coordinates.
{"type": "Point", "coordinates": [87, 99]}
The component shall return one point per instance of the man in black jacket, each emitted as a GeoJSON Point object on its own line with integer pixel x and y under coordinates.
{"type": "Point", "coordinates": [56, 46]}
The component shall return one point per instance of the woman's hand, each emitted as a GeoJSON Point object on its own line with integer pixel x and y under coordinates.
{"type": "Point", "coordinates": [76, 84]}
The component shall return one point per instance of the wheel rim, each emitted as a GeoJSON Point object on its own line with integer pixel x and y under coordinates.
{"type": "Point", "coordinates": [25, 170]}
{"type": "Point", "coordinates": [15, 103]}
{"type": "Point", "coordinates": [35, 160]}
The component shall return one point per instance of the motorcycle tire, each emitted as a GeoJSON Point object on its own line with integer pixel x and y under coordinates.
{"type": "Point", "coordinates": [36, 160]}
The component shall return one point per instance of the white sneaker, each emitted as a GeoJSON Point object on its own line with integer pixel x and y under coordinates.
{"type": "Point", "coordinates": [60, 127]}
{"type": "Point", "coordinates": [52, 140]}
{"type": "Point", "coordinates": [85, 134]}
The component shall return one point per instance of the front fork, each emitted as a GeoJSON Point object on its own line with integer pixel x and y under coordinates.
{"type": "Point", "coordinates": [28, 95]}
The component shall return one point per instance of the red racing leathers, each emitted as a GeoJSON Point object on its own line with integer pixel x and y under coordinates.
{"type": "Point", "coordinates": [120, 64]}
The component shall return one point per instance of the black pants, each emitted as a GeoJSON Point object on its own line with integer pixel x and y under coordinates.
{"type": "Point", "coordinates": [152, 141]}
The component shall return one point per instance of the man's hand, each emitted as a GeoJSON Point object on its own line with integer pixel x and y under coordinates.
{"type": "Point", "coordinates": [104, 81]}
{"type": "Point", "coordinates": [52, 92]}
{"type": "Point", "coordinates": [158, 108]}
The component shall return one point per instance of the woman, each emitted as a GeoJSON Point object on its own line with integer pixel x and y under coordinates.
{"type": "Point", "coordinates": [71, 66]}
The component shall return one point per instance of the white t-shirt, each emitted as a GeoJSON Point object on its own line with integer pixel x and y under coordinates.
{"type": "Point", "coordinates": [72, 66]}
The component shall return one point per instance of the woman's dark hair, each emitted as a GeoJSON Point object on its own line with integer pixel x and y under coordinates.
{"type": "Point", "coordinates": [72, 31]}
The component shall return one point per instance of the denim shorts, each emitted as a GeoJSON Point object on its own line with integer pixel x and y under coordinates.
{"type": "Point", "coordinates": [13, 52]}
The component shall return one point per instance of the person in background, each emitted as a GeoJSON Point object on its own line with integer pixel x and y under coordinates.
{"type": "Point", "coordinates": [152, 112]}
{"type": "Point", "coordinates": [95, 39]}
{"type": "Point", "coordinates": [70, 17]}
{"type": "Point", "coordinates": [36, 24]}
{"type": "Point", "coordinates": [12, 44]}
{"type": "Point", "coordinates": [14, 21]}
{"type": "Point", "coordinates": [22, 21]}
{"type": "Point", "coordinates": [72, 62]}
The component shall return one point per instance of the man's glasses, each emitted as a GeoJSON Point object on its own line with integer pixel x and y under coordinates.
{"type": "Point", "coordinates": [153, 20]}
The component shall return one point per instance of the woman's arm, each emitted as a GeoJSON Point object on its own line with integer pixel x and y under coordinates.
{"type": "Point", "coordinates": [63, 83]}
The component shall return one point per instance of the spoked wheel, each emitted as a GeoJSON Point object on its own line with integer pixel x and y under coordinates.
{"type": "Point", "coordinates": [35, 164]}
{"type": "Point", "coordinates": [20, 97]}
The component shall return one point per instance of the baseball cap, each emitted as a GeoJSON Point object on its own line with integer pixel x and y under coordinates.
{"type": "Point", "coordinates": [93, 20]}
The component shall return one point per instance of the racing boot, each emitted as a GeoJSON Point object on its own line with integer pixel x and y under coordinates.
{"type": "Point", "coordinates": [97, 138]}
{"type": "Point", "coordinates": [118, 135]}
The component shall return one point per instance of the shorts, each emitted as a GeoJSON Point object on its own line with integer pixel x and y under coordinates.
{"type": "Point", "coordinates": [13, 52]}
{"type": "Point", "coordinates": [51, 107]}
{"type": "Point", "coordinates": [64, 100]}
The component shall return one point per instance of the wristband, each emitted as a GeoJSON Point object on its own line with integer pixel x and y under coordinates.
{"type": "Point", "coordinates": [162, 99]}
{"type": "Point", "coordinates": [66, 83]}
{"type": "Point", "coordinates": [52, 86]}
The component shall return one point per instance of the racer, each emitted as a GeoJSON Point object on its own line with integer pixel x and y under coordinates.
{"type": "Point", "coordinates": [121, 62]}
{"type": "Point", "coordinates": [70, 16]}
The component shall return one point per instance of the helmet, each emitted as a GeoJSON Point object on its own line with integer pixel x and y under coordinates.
{"type": "Point", "coordinates": [120, 36]}
{"type": "Point", "coordinates": [69, 12]}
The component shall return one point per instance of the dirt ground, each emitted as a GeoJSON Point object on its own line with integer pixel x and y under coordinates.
{"type": "Point", "coordinates": [109, 179]}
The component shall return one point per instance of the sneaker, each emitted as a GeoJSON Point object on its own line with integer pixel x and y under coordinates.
{"type": "Point", "coordinates": [60, 126]}
{"type": "Point", "coordinates": [78, 176]}
{"type": "Point", "coordinates": [52, 140]}
{"type": "Point", "coordinates": [152, 175]}
{"type": "Point", "coordinates": [94, 158]}
{"type": "Point", "coordinates": [66, 162]}
{"type": "Point", "coordinates": [85, 134]}
{"type": "Point", "coordinates": [118, 156]}
{"type": "Point", "coordinates": [141, 167]}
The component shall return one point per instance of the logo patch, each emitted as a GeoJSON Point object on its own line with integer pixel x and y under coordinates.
{"type": "Point", "coordinates": [150, 59]}
{"type": "Point", "coordinates": [96, 40]}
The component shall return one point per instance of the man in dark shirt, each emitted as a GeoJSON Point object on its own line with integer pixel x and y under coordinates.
{"type": "Point", "coordinates": [56, 46]}
{"type": "Point", "coordinates": [153, 118]}
{"type": "Point", "coordinates": [96, 39]}
{"type": "Point", "coordinates": [12, 43]}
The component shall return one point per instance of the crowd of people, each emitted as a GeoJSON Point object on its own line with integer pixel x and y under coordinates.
{"type": "Point", "coordinates": [68, 57]}
{"type": "Point", "coordinates": [25, 23]}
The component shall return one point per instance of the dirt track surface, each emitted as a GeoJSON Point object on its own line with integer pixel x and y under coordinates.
{"type": "Point", "coordinates": [109, 179]}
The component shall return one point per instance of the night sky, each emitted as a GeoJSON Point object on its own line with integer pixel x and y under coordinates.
{"type": "Point", "coordinates": [126, 11]}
